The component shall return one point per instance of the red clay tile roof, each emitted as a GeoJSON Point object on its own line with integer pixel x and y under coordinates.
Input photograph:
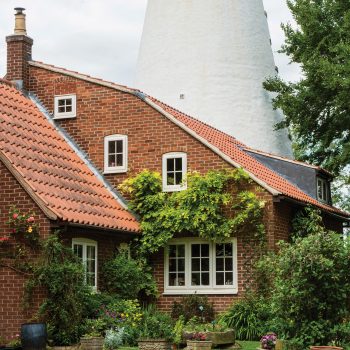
{"type": "Point", "coordinates": [235, 150]}
{"type": "Point", "coordinates": [227, 146]}
{"type": "Point", "coordinates": [51, 171]}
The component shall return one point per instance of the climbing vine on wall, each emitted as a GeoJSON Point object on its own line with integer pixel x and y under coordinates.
{"type": "Point", "coordinates": [210, 207]}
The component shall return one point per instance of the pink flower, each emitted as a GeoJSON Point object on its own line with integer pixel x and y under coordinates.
{"type": "Point", "coordinates": [4, 239]}
{"type": "Point", "coordinates": [15, 216]}
{"type": "Point", "coordinates": [30, 219]}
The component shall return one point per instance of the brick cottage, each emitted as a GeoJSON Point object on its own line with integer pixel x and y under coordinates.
{"type": "Point", "coordinates": [68, 140]}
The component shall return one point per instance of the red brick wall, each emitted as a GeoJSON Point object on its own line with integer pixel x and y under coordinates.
{"type": "Point", "coordinates": [19, 51]}
{"type": "Point", "coordinates": [11, 282]}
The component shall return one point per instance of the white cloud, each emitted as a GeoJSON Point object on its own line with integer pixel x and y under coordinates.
{"type": "Point", "coordinates": [101, 38]}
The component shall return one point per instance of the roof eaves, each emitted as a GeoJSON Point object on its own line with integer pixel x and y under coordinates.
{"type": "Point", "coordinates": [82, 155]}
{"type": "Point", "coordinates": [209, 145]}
{"type": "Point", "coordinates": [31, 192]}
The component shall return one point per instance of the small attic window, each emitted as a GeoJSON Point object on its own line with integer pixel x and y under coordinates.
{"type": "Point", "coordinates": [65, 106]}
{"type": "Point", "coordinates": [322, 190]}
{"type": "Point", "coordinates": [115, 154]}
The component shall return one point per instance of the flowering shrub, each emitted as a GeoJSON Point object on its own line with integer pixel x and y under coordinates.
{"type": "Point", "coordinates": [198, 336]}
{"type": "Point", "coordinates": [23, 224]}
{"type": "Point", "coordinates": [122, 312]}
{"type": "Point", "coordinates": [268, 341]}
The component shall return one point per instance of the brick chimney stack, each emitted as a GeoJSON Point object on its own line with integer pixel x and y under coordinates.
{"type": "Point", "coordinates": [19, 52]}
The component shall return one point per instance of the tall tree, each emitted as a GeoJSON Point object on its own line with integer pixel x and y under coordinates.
{"type": "Point", "coordinates": [317, 107]}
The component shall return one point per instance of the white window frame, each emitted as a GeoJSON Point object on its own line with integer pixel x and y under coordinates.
{"type": "Point", "coordinates": [116, 169]}
{"type": "Point", "coordinates": [84, 242]}
{"type": "Point", "coordinates": [64, 115]}
{"type": "Point", "coordinates": [188, 288]}
{"type": "Point", "coordinates": [322, 182]}
{"type": "Point", "coordinates": [174, 188]}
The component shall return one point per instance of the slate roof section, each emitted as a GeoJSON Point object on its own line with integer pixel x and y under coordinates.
{"type": "Point", "coordinates": [228, 147]}
{"type": "Point", "coordinates": [51, 171]}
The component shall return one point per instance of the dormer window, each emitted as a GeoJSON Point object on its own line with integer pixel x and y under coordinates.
{"type": "Point", "coordinates": [115, 154]}
{"type": "Point", "coordinates": [322, 190]}
{"type": "Point", "coordinates": [65, 106]}
{"type": "Point", "coordinates": [174, 171]}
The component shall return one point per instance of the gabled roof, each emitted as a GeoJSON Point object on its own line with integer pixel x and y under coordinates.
{"type": "Point", "coordinates": [51, 170]}
{"type": "Point", "coordinates": [226, 146]}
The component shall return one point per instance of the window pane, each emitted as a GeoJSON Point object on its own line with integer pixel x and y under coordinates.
{"type": "Point", "coordinates": [61, 102]}
{"type": "Point", "coordinates": [220, 278]}
{"type": "Point", "coordinates": [111, 160]}
{"type": "Point", "coordinates": [205, 279]}
{"type": "Point", "coordinates": [228, 249]}
{"type": "Point", "coordinates": [172, 251]}
{"type": "Point", "coordinates": [228, 264]}
{"type": "Point", "coordinates": [170, 164]}
{"type": "Point", "coordinates": [219, 250]}
{"type": "Point", "coordinates": [195, 250]}
{"type": "Point", "coordinates": [181, 279]}
{"type": "Point", "coordinates": [119, 160]}
{"type": "Point", "coordinates": [181, 265]}
{"type": "Point", "coordinates": [90, 266]}
{"type": "Point", "coordinates": [172, 265]}
{"type": "Point", "coordinates": [196, 264]}
{"type": "Point", "coordinates": [178, 164]}
{"type": "Point", "coordinates": [90, 252]}
{"type": "Point", "coordinates": [119, 146]}
{"type": "Point", "coordinates": [228, 278]}
{"type": "Point", "coordinates": [172, 279]}
{"type": "Point", "coordinates": [196, 279]}
{"type": "Point", "coordinates": [205, 249]}
{"type": "Point", "coordinates": [170, 179]}
{"type": "Point", "coordinates": [61, 109]}
{"type": "Point", "coordinates": [181, 250]}
{"type": "Point", "coordinates": [69, 109]}
{"type": "Point", "coordinates": [78, 250]}
{"type": "Point", "coordinates": [219, 264]}
{"type": "Point", "coordinates": [205, 264]}
{"type": "Point", "coordinates": [111, 147]}
{"type": "Point", "coordinates": [178, 178]}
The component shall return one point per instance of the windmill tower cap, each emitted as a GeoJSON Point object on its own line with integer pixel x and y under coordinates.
{"type": "Point", "coordinates": [20, 21]}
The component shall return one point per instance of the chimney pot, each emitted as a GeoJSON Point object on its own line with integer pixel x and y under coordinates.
{"type": "Point", "coordinates": [20, 21]}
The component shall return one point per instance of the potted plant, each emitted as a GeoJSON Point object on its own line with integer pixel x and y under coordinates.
{"type": "Point", "coordinates": [93, 338]}
{"type": "Point", "coordinates": [198, 341]}
{"type": "Point", "coordinates": [156, 330]}
{"type": "Point", "coordinates": [178, 332]}
{"type": "Point", "coordinates": [268, 341]}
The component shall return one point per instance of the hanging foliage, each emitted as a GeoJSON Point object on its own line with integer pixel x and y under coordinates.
{"type": "Point", "coordinates": [208, 208]}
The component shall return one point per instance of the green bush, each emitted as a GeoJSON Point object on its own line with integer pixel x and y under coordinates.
{"type": "Point", "coordinates": [250, 317]}
{"type": "Point", "coordinates": [127, 277]}
{"type": "Point", "coordinates": [156, 325]}
{"type": "Point", "coordinates": [193, 306]}
{"type": "Point", "coordinates": [61, 275]}
{"type": "Point", "coordinates": [311, 287]}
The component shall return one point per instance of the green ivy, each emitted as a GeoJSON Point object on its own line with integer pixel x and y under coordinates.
{"type": "Point", "coordinates": [208, 208]}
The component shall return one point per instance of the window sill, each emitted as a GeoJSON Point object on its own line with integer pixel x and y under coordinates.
{"type": "Point", "coordinates": [64, 116]}
{"type": "Point", "coordinates": [227, 291]}
{"type": "Point", "coordinates": [115, 171]}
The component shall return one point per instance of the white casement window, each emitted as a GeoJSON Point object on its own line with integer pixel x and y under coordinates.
{"type": "Point", "coordinates": [322, 190]}
{"type": "Point", "coordinates": [196, 266]}
{"type": "Point", "coordinates": [174, 169]}
{"type": "Point", "coordinates": [115, 154]}
{"type": "Point", "coordinates": [65, 106]}
{"type": "Point", "coordinates": [86, 250]}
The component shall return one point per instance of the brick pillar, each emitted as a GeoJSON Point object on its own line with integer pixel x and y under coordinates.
{"type": "Point", "coordinates": [19, 52]}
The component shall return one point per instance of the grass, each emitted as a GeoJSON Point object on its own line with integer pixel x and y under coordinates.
{"type": "Point", "coordinates": [246, 345]}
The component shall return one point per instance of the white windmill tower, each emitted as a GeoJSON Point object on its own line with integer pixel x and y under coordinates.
{"type": "Point", "coordinates": [208, 58]}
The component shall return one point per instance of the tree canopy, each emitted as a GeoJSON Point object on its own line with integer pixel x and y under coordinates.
{"type": "Point", "coordinates": [317, 107]}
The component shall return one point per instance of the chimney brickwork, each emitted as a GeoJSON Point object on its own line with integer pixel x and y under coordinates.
{"type": "Point", "coordinates": [19, 52]}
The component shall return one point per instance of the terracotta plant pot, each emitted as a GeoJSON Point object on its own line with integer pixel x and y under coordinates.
{"type": "Point", "coordinates": [153, 344]}
{"type": "Point", "coordinates": [93, 343]}
{"type": "Point", "coordinates": [199, 344]}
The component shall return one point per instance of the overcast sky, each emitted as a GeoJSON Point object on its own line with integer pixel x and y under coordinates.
{"type": "Point", "coordinates": [101, 37]}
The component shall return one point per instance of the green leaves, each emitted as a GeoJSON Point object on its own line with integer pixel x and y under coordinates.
{"type": "Point", "coordinates": [317, 107]}
{"type": "Point", "coordinates": [210, 207]}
